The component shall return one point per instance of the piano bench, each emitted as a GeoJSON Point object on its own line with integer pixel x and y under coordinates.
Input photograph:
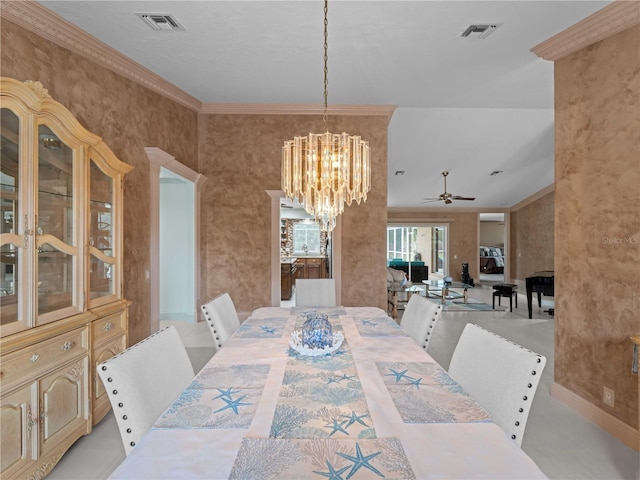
{"type": "Point", "coordinates": [505, 290]}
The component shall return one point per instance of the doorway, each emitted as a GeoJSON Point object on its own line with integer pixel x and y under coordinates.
{"type": "Point", "coordinates": [335, 246]}
{"type": "Point", "coordinates": [493, 243]}
{"type": "Point", "coordinates": [304, 244]}
{"type": "Point", "coordinates": [176, 247]}
{"type": "Point", "coordinates": [175, 198]}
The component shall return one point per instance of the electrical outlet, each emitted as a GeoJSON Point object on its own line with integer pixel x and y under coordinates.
{"type": "Point", "coordinates": [608, 396]}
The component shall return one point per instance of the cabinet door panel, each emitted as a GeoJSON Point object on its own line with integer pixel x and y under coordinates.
{"type": "Point", "coordinates": [301, 269]}
{"type": "Point", "coordinates": [314, 269]}
{"type": "Point", "coordinates": [56, 229]}
{"type": "Point", "coordinates": [17, 430]}
{"type": "Point", "coordinates": [102, 261]}
{"type": "Point", "coordinates": [63, 403]}
{"type": "Point", "coordinates": [12, 242]}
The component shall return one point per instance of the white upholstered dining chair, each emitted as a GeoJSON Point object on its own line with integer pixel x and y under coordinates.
{"type": "Point", "coordinates": [315, 292]}
{"type": "Point", "coordinates": [419, 319]}
{"type": "Point", "coordinates": [500, 375]}
{"type": "Point", "coordinates": [143, 380]}
{"type": "Point", "coordinates": [222, 318]}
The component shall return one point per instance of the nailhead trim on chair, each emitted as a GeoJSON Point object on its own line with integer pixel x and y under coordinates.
{"type": "Point", "coordinates": [110, 379]}
{"type": "Point", "coordinates": [525, 398]}
{"type": "Point", "coordinates": [432, 322]}
{"type": "Point", "coordinates": [209, 320]}
{"type": "Point", "coordinates": [529, 385]}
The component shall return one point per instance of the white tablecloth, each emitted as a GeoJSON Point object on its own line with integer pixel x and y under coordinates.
{"type": "Point", "coordinates": [380, 406]}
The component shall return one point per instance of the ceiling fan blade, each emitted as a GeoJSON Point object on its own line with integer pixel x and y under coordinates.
{"type": "Point", "coordinates": [458, 197]}
{"type": "Point", "coordinates": [446, 197]}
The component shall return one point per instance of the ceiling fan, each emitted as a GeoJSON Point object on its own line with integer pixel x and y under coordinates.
{"type": "Point", "coordinates": [446, 197]}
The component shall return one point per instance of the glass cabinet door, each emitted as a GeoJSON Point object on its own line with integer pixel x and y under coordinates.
{"type": "Point", "coordinates": [56, 230]}
{"type": "Point", "coordinates": [11, 243]}
{"type": "Point", "coordinates": [102, 260]}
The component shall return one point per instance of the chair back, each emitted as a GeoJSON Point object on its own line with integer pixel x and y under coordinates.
{"type": "Point", "coordinates": [222, 318]}
{"type": "Point", "coordinates": [315, 292]}
{"type": "Point", "coordinates": [419, 319]}
{"type": "Point", "coordinates": [500, 375]}
{"type": "Point", "coordinates": [143, 380]}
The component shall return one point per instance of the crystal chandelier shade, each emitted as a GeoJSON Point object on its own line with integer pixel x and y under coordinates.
{"type": "Point", "coordinates": [323, 171]}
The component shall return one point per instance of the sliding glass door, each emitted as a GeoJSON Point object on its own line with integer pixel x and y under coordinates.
{"type": "Point", "coordinates": [418, 245]}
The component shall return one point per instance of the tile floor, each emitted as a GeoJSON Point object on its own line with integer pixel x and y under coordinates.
{"type": "Point", "coordinates": [561, 442]}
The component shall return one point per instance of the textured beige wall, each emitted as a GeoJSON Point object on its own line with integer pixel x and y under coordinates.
{"type": "Point", "coordinates": [597, 209]}
{"type": "Point", "coordinates": [128, 117]}
{"type": "Point", "coordinates": [241, 155]}
{"type": "Point", "coordinates": [463, 236]}
{"type": "Point", "coordinates": [531, 238]}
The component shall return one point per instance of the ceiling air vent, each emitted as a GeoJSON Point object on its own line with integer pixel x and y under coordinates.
{"type": "Point", "coordinates": [479, 30]}
{"type": "Point", "coordinates": [161, 21]}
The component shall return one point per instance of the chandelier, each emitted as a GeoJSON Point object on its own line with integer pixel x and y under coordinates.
{"type": "Point", "coordinates": [324, 170]}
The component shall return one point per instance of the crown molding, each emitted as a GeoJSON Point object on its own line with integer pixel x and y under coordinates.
{"type": "Point", "coordinates": [49, 25]}
{"type": "Point", "coordinates": [291, 109]}
{"type": "Point", "coordinates": [532, 198]}
{"type": "Point", "coordinates": [604, 23]}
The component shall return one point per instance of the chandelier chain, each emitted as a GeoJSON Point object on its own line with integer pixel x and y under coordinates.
{"type": "Point", "coordinates": [326, 67]}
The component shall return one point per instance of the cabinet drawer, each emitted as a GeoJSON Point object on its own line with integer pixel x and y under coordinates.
{"type": "Point", "coordinates": [108, 327]}
{"type": "Point", "coordinates": [44, 356]}
{"type": "Point", "coordinates": [314, 261]}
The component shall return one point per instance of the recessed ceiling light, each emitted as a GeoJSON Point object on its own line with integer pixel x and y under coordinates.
{"type": "Point", "coordinates": [399, 172]}
{"type": "Point", "coordinates": [495, 172]}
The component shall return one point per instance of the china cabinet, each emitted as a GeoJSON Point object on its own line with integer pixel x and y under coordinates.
{"type": "Point", "coordinates": [61, 310]}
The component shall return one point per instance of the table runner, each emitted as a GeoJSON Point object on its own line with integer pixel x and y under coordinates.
{"type": "Point", "coordinates": [321, 397]}
{"type": "Point", "coordinates": [321, 421]}
{"type": "Point", "coordinates": [325, 458]}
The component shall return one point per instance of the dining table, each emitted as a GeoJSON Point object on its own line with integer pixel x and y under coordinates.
{"type": "Point", "coordinates": [377, 406]}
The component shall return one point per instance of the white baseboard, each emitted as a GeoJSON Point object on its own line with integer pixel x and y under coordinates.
{"type": "Point", "coordinates": [623, 432]}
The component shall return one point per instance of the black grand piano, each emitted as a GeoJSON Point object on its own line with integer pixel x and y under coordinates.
{"type": "Point", "coordinates": [542, 284]}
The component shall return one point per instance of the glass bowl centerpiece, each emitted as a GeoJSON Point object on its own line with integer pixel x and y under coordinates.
{"type": "Point", "coordinates": [316, 337]}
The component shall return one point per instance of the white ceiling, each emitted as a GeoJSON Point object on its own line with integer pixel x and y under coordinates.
{"type": "Point", "coordinates": [469, 106]}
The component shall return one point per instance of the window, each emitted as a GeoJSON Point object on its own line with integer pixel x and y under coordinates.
{"type": "Point", "coordinates": [306, 238]}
